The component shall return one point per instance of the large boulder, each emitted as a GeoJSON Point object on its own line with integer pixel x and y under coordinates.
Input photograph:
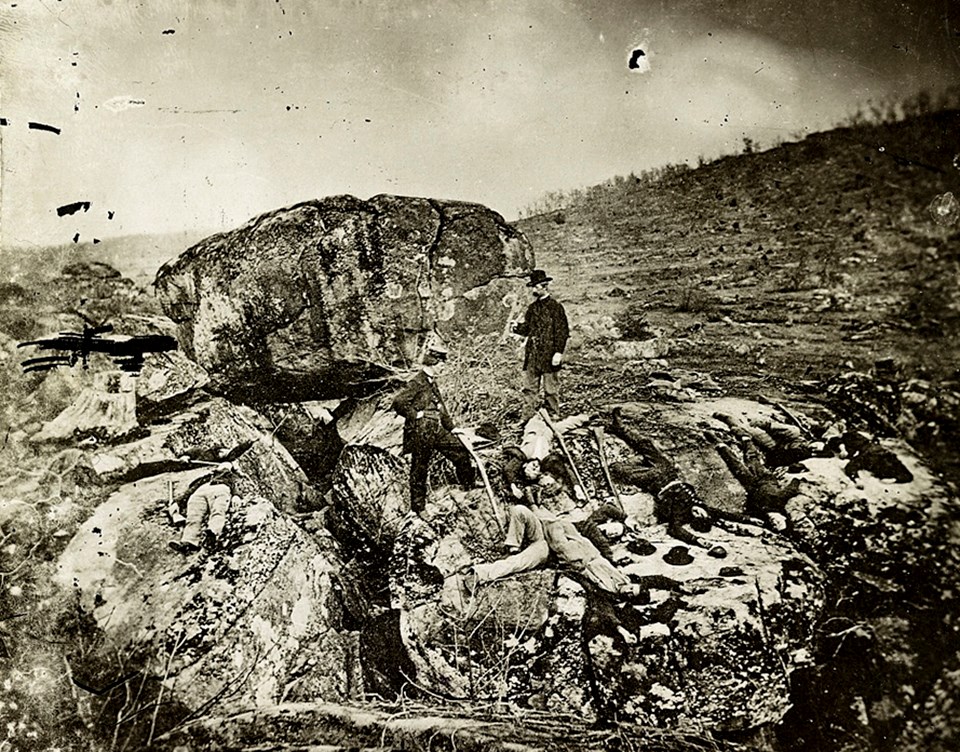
{"type": "Point", "coordinates": [322, 298]}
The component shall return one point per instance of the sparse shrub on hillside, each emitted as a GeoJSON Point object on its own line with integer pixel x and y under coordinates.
{"type": "Point", "coordinates": [933, 302]}
{"type": "Point", "coordinates": [692, 298]}
{"type": "Point", "coordinates": [816, 268]}
{"type": "Point", "coordinates": [892, 110]}
{"type": "Point", "coordinates": [633, 324]}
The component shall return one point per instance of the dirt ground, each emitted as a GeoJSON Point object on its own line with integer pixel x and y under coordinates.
{"type": "Point", "coordinates": [771, 272]}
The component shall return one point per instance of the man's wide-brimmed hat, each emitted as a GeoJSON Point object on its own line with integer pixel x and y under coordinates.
{"type": "Point", "coordinates": [538, 277]}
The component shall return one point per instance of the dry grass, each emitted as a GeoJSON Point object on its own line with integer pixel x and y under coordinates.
{"type": "Point", "coordinates": [482, 381]}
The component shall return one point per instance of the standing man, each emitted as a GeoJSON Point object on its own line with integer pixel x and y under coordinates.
{"type": "Point", "coordinates": [545, 327]}
{"type": "Point", "coordinates": [428, 428]}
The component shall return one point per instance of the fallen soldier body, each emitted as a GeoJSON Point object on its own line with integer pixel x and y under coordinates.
{"type": "Point", "coordinates": [676, 502]}
{"type": "Point", "coordinates": [535, 531]}
{"type": "Point", "coordinates": [766, 493]}
{"type": "Point", "coordinates": [206, 510]}
{"type": "Point", "coordinates": [782, 444]}
{"type": "Point", "coordinates": [865, 454]}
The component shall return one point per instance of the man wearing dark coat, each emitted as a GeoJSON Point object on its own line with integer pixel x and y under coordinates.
{"type": "Point", "coordinates": [428, 428]}
{"type": "Point", "coordinates": [546, 329]}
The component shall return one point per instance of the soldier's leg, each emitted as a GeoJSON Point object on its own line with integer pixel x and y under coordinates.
{"type": "Point", "coordinates": [453, 449]}
{"type": "Point", "coordinates": [218, 498]}
{"type": "Point", "coordinates": [529, 558]}
{"type": "Point", "coordinates": [419, 464]}
{"type": "Point", "coordinates": [516, 525]}
{"type": "Point", "coordinates": [738, 468]}
{"type": "Point", "coordinates": [196, 513]}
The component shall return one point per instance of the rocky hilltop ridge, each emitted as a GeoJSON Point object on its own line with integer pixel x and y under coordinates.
{"type": "Point", "coordinates": [324, 611]}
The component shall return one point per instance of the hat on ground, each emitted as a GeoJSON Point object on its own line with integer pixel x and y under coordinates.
{"type": "Point", "coordinates": [538, 277]}
{"type": "Point", "coordinates": [488, 431]}
{"type": "Point", "coordinates": [678, 556]}
{"type": "Point", "coordinates": [434, 353]}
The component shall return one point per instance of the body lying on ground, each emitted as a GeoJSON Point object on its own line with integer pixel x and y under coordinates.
{"type": "Point", "coordinates": [676, 503]}
{"type": "Point", "coordinates": [536, 531]}
{"type": "Point", "coordinates": [767, 493]}
{"type": "Point", "coordinates": [782, 444]}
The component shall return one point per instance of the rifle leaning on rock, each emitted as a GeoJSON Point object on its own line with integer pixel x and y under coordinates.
{"type": "Point", "coordinates": [598, 435]}
{"type": "Point", "coordinates": [468, 445]}
{"type": "Point", "coordinates": [563, 447]}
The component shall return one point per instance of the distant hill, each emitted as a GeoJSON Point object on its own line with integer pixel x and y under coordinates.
{"type": "Point", "coordinates": [783, 263]}
{"type": "Point", "coordinates": [137, 257]}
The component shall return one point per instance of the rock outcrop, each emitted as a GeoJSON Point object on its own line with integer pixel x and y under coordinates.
{"type": "Point", "coordinates": [319, 299]}
{"type": "Point", "coordinates": [256, 620]}
{"type": "Point", "coordinates": [719, 650]}
{"type": "Point", "coordinates": [105, 410]}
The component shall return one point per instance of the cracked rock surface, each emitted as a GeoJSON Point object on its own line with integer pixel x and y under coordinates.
{"type": "Point", "coordinates": [315, 299]}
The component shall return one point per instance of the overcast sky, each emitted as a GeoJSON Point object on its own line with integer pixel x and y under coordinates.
{"type": "Point", "coordinates": [183, 114]}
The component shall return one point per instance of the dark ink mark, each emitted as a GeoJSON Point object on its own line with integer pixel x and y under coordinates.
{"type": "Point", "coordinates": [126, 352]}
{"type": "Point", "coordinates": [96, 240]}
{"type": "Point", "coordinates": [169, 31]}
{"type": "Point", "coordinates": [366, 120]}
{"type": "Point", "coordinates": [178, 111]}
{"type": "Point", "coordinates": [635, 59]}
{"type": "Point", "coordinates": [43, 127]}
{"type": "Point", "coordinates": [110, 214]}
{"type": "Point", "coordinates": [76, 238]}
{"type": "Point", "coordinates": [73, 208]}
{"type": "Point", "coordinates": [4, 121]}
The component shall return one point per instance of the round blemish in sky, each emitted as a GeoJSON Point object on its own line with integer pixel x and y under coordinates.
{"type": "Point", "coordinates": [945, 209]}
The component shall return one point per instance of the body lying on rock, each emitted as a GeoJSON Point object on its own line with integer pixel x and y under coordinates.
{"type": "Point", "coordinates": [521, 476]}
{"type": "Point", "coordinates": [547, 527]}
{"type": "Point", "coordinates": [207, 498]}
{"type": "Point", "coordinates": [782, 444]}
{"type": "Point", "coordinates": [676, 502]}
{"type": "Point", "coordinates": [866, 454]}
{"type": "Point", "coordinates": [206, 510]}
{"type": "Point", "coordinates": [767, 494]}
